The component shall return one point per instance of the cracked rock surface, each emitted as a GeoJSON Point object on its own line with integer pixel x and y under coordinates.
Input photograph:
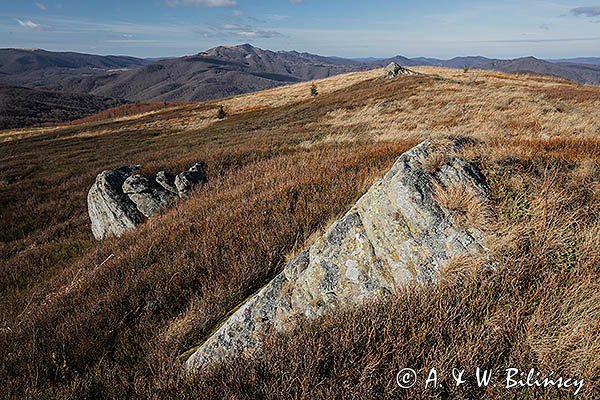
{"type": "Point", "coordinates": [120, 199]}
{"type": "Point", "coordinates": [396, 233]}
{"type": "Point", "coordinates": [147, 195]}
{"type": "Point", "coordinates": [394, 70]}
{"type": "Point", "coordinates": [110, 210]}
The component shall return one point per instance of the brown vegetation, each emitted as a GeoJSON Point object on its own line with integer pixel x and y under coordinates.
{"type": "Point", "coordinates": [81, 319]}
{"type": "Point", "coordinates": [466, 207]}
{"type": "Point", "coordinates": [127, 110]}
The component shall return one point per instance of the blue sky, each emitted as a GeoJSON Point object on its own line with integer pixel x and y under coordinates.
{"type": "Point", "coordinates": [155, 28]}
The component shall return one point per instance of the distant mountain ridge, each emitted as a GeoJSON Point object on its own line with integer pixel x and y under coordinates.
{"type": "Point", "coordinates": [456, 62]}
{"type": "Point", "coordinates": [578, 60]}
{"type": "Point", "coordinates": [228, 70]}
{"type": "Point", "coordinates": [582, 73]}
{"type": "Point", "coordinates": [23, 60]}
{"type": "Point", "coordinates": [220, 72]}
{"type": "Point", "coordinates": [54, 71]}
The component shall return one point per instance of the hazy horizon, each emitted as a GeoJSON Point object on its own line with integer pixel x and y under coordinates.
{"type": "Point", "coordinates": [375, 57]}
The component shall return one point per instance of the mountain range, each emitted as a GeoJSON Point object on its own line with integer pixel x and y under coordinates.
{"type": "Point", "coordinates": [579, 60]}
{"type": "Point", "coordinates": [220, 72]}
{"type": "Point", "coordinates": [582, 73]}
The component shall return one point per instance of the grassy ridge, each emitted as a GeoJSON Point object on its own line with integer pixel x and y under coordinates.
{"type": "Point", "coordinates": [82, 319]}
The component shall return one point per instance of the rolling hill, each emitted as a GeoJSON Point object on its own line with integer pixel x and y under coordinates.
{"type": "Point", "coordinates": [579, 60]}
{"type": "Point", "coordinates": [216, 73]}
{"type": "Point", "coordinates": [224, 71]}
{"type": "Point", "coordinates": [456, 62]}
{"type": "Point", "coordinates": [13, 61]}
{"type": "Point", "coordinates": [115, 319]}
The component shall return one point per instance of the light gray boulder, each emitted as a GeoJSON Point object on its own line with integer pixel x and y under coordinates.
{"type": "Point", "coordinates": [120, 199]}
{"type": "Point", "coordinates": [148, 196]}
{"type": "Point", "coordinates": [396, 233]}
{"type": "Point", "coordinates": [111, 211]}
{"type": "Point", "coordinates": [185, 181]}
{"type": "Point", "coordinates": [394, 70]}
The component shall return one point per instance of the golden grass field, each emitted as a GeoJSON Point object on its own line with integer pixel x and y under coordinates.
{"type": "Point", "coordinates": [81, 319]}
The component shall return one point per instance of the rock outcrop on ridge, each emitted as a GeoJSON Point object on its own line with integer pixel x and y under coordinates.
{"type": "Point", "coordinates": [394, 70]}
{"type": "Point", "coordinates": [120, 199]}
{"type": "Point", "coordinates": [396, 233]}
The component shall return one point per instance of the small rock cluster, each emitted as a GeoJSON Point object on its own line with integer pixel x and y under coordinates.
{"type": "Point", "coordinates": [120, 199]}
{"type": "Point", "coordinates": [394, 70]}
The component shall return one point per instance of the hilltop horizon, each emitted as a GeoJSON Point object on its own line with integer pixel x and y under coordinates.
{"type": "Point", "coordinates": [218, 72]}
{"type": "Point", "coordinates": [306, 51]}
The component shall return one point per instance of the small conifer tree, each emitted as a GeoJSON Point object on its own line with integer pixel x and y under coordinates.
{"type": "Point", "coordinates": [221, 112]}
{"type": "Point", "coordinates": [314, 92]}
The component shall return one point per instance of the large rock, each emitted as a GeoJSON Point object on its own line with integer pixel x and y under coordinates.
{"type": "Point", "coordinates": [394, 70]}
{"type": "Point", "coordinates": [148, 196]}
{"type": "Point", "coordinates": [111, 211]}
{"type": "Point", "coordinates": [396, 233]}
{"type": "Point", "coordinates": [120, 199]}
{"type": "Point", "coordinates": [185, 181]}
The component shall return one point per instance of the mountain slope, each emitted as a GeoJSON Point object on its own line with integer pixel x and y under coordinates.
{"type": "Point", "coordinates": [20, 107]}
{"type": "Point", "coordinates": [579, 60]}
{"type": "Point", "coordinates": [221, 72]}
{"type": "Point", "coordinates": [82, 319]}
{"type": "Point", "coordinates": [456, 62]}
{"type": "Point", "coordinates": [14, 61]}
{"type": "Point", "coordinates": [110, 320]}
{"type": "Point", "coordinates": [224, 71]}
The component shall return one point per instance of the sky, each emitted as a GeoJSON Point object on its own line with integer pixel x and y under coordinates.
{"type": "Point", "coordinates": [347, 28]}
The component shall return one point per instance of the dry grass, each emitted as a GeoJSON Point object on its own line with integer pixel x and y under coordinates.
{"type": "Point", "coordinates": [435, 160]}
{"type": "Point", "coordinates": [78, 323]}
{"type": "Point", "coordinates": [492, 105]}
{"type": "Point", "coordinates": [467, 209]}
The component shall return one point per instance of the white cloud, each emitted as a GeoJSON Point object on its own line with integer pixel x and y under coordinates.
{"type": "Point", "coordinates": [41, 6]}
{"type": "Point", "coordinates": [586, 11]}
{"type": "Point", "coordinates": [205, 3]}
{"type": "Point", "coordinates": [257, 33]}
{"type": "Point", "coordinates": [240, 31]}
{"type": "Point", "coordinates": [132, 41]}
{"type": "Point", "coordinates": [29, 24]}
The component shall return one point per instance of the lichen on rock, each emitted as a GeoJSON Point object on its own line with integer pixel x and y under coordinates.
{"type": "Point", "coordinates": [120, 200]}
{"type": "Point", "coordinates": [394, 70]}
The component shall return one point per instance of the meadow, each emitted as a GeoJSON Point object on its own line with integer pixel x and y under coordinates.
{"type": "Point", "coordinates": [82, 319]}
